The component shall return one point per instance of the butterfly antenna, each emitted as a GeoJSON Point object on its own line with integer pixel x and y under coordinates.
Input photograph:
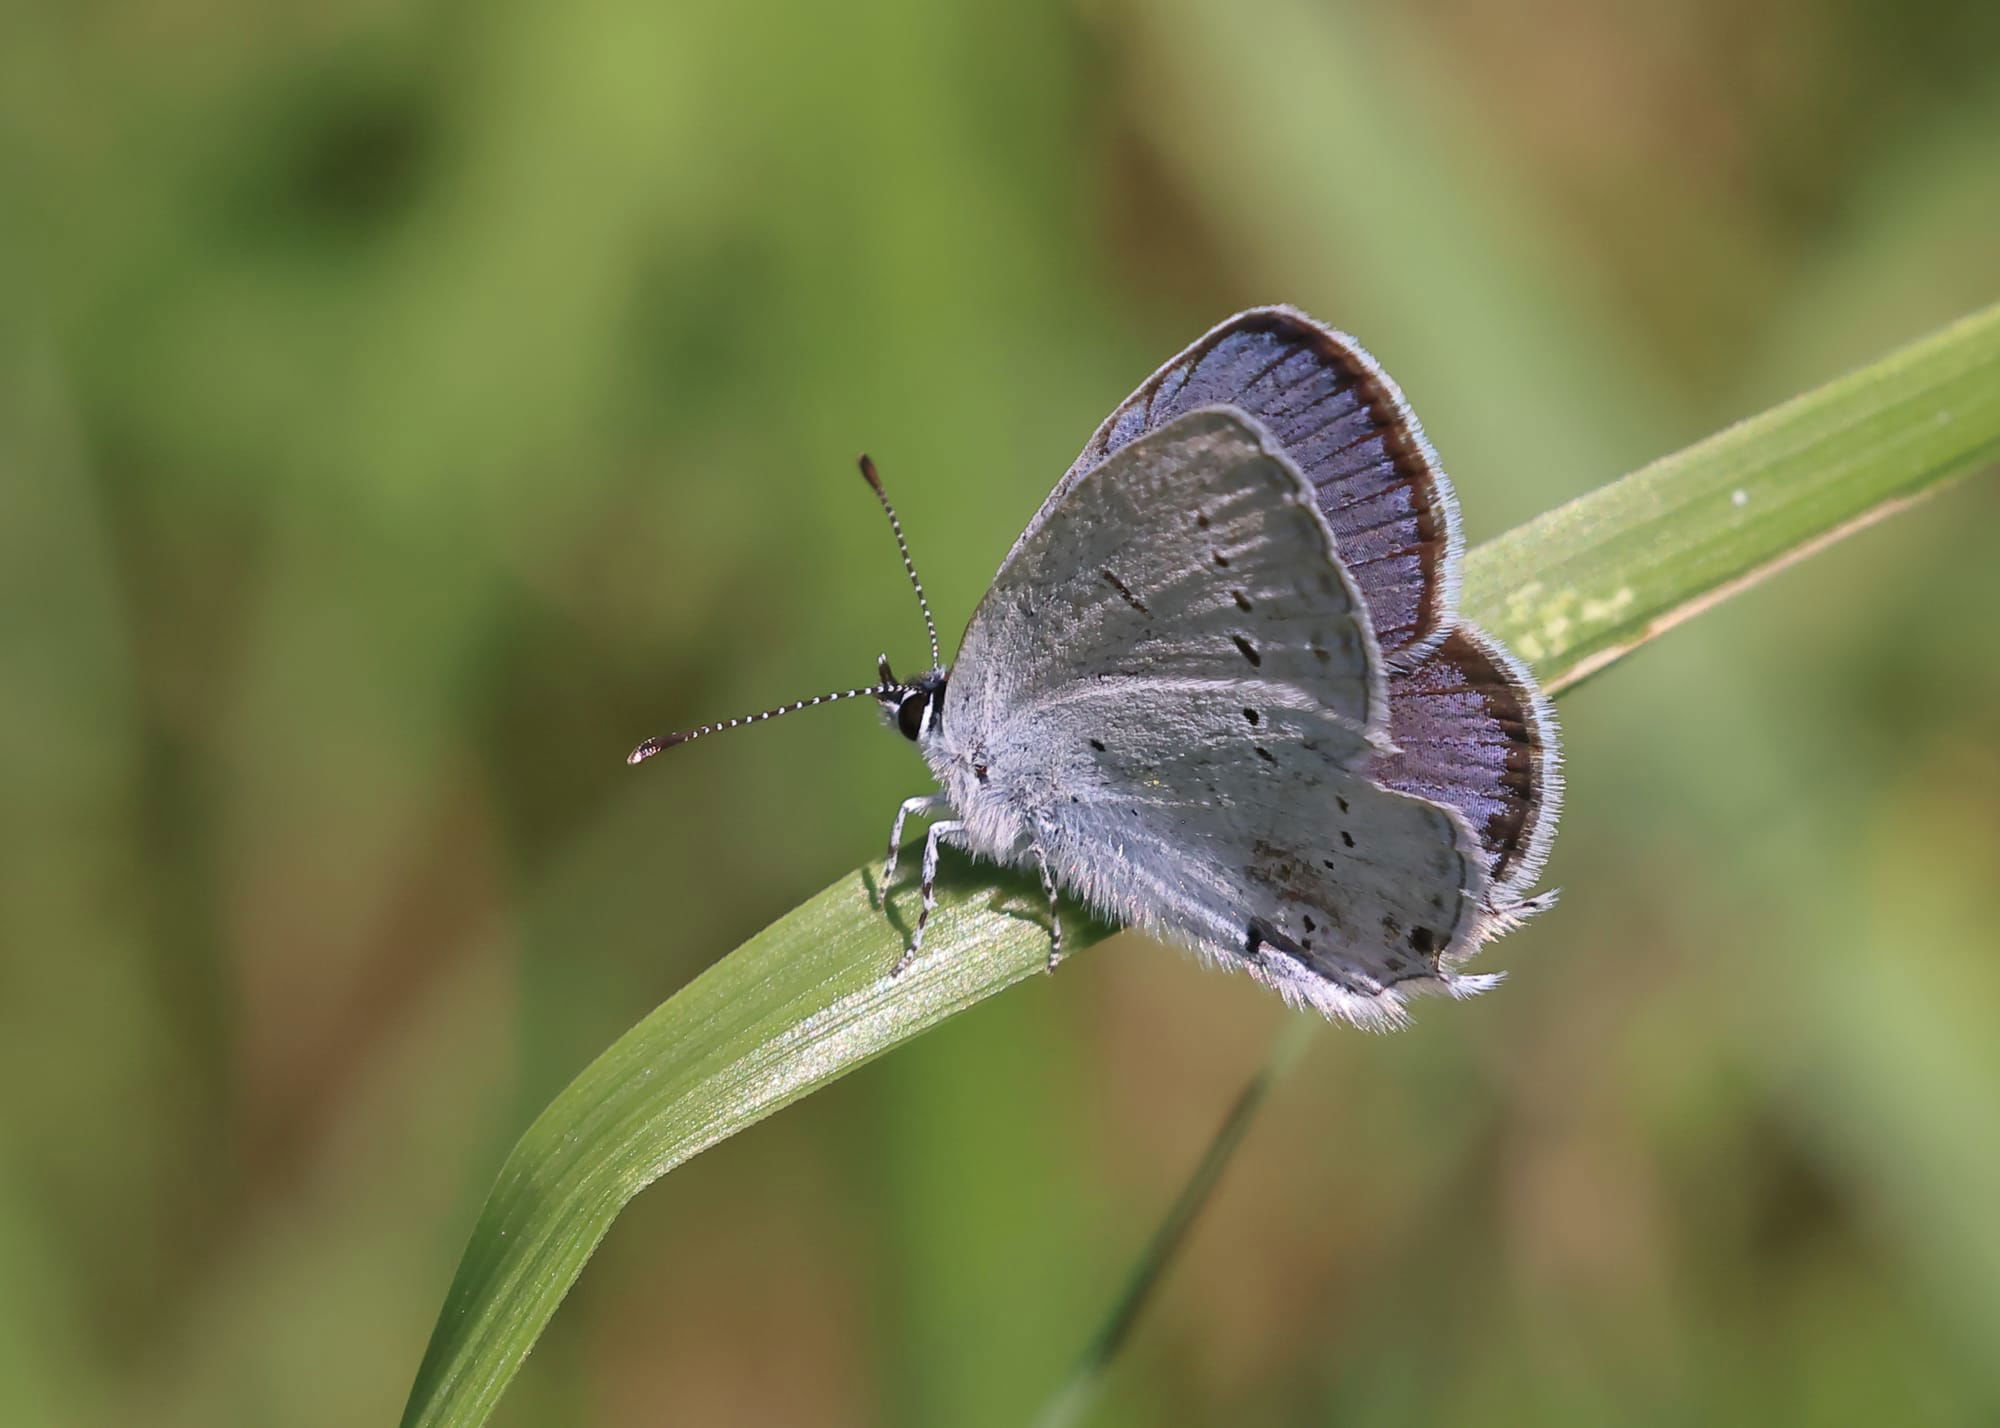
{"type": "Point", "coordinates": [661, 742]}
{"type": "Point", "coordinates": [875, 485]}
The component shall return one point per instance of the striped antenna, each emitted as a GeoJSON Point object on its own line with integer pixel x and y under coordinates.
{"type": "Point", "coordinates": [909, 565]}
{"type": "Point", "coordinates": [660, 742]}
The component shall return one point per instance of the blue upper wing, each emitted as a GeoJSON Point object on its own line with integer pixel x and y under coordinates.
{"type": "Point", "coordinates": [1345, 425]}
{"type": "Point", "coordinates": [1473, 732]}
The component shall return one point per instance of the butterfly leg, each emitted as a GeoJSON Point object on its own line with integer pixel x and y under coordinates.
{"type": "Point", "coordinates": [1055, 918]}
{"type": "Point", "coordinates": [926, 805]}
{"type": "Point", "coordinates": [939, 832]}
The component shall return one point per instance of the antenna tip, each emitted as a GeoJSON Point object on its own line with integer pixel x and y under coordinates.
{"type": "Point", "coordinates": [868, 471]}
{"type": "Point", "coordinates": [653, 746]}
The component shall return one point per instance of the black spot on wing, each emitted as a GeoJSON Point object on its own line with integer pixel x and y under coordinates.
{"type": "Point", "coordinates": [1125, 592]}
{"type": "Point", "coordinates": [1259, 935]}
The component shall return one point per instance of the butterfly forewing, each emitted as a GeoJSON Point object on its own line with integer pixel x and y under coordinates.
{"type": "Point", "coordinates": [1340, 418]}
{"type": "Point", "coordinates": [1192, 561]}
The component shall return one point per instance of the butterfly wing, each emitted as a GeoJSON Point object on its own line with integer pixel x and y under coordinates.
{"type": "Point", "coordinates": [1171, 693]}
{"type": "Point", "coordinates": [1471, 730]}
{"type": "Point", "coordinates": [1345, 424]}
{"type": "Point", "coordinates": [1194, 563]}
{"type": "Point", "coordinates": [1258, 848]}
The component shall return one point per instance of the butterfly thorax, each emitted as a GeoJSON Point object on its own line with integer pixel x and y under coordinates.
{"type": "Point", "coordinates": [991, 788]}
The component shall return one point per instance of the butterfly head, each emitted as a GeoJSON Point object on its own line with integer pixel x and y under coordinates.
{"type": "Point", "coordinates": [914, 706]}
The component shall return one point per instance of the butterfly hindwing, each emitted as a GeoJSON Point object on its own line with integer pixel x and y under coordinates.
{"type": "Point", "coordinates": [1471, 730]}
{"type": "Point", "coordinates": [1256, 845]}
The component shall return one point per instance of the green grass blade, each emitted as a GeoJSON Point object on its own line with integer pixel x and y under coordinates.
{"type": "Point", "coordinates": [806, 1000]}
{"type": "Point", "coordinates": [1577, 588]}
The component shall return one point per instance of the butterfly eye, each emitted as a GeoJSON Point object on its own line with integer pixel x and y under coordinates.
{"type": "Point", "coordinates": [910, 715]}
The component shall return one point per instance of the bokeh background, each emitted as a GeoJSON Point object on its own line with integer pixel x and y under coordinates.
{"type": "Point", "coordinates": [406, 407]}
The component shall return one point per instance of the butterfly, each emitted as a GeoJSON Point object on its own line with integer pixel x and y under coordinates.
{"type": "Point", "coordinates": [1219, 691]}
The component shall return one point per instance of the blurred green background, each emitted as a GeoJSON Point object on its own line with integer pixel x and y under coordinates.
{"type": "Point", "coordinates": [404, 408]}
